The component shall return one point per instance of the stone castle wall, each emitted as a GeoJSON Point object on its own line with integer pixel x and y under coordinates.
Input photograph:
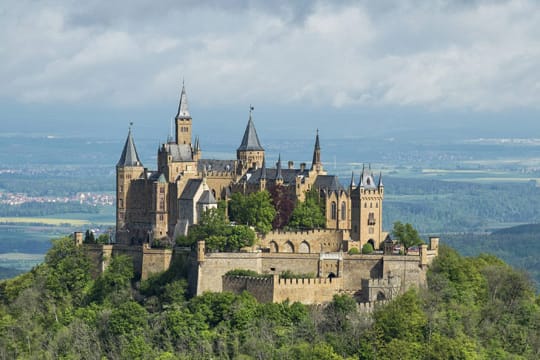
{"type": "Point", "coordinates": [274, 289]}
{"type": "Point", "coordinates": [308, 241]}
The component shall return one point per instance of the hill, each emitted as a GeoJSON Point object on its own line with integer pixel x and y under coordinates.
{"type": "Point", "coordinates": [517, 245]}
{"type": "Point", "coordinates": [474, 307]}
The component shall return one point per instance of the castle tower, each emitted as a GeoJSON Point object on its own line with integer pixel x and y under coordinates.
{"type": "Point", "coordinates": [250, 153]}
{"type": "Point", "coordinates": [160, 190]}
{"type": "Point", "coordinates": [128, 169]}
{"type": "Point", "coordinates": [183, 120]}
{"type": "Point", "coordinates": [366, 212]}
{"type": "Point", "coordinates": [316, 164]}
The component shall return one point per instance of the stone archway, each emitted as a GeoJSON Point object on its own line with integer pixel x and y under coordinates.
{"type": "Point", "coordinates": [372, 242]}
{"type": "Point", "coordinates": [273, 247]}
{"type": "Point", "coordinates": [288, 247]}
{"type": "Point", "coordinates": [304, 247]}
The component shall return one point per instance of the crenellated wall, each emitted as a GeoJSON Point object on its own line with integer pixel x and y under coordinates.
{"type": "Point", "coordinates": [274, 289]}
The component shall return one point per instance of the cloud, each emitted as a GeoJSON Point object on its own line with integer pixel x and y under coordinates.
{"type": "Point", "coordinates": [443, 54]}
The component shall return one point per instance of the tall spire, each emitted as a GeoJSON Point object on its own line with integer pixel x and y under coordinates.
{"type": "Point", "coordinates": [380, 180]}
{"type": "Point", "coordinates": [263, 169]}
{"type": "Point", "coordinates": [183, 109]}
{"type": "Point", "coordinates": [129, 155]}
{"type": "Point", "coordinates": [279, 175]}
{"type": "Point", "coordinates": [316, 153]}
{"type": "Point", "coordinates": [352, 185]}
{"type": "Point", "coordinates": [250, 141]}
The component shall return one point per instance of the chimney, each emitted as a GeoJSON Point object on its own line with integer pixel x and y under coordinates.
{"type": "Point", "coordinates": [291, 164]}
{"type": "Point", "coordinates": [302, 166]}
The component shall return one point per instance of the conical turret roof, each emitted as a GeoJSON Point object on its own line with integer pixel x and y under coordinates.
{"type": "Point", "coordinates": [129, 155]}
{"type": "Point", "coordinates": [250, 141]}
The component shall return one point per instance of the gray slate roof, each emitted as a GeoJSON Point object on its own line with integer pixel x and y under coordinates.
{"type": "Point", "coordinates": [129, 155]}
{"type": "Point", "coordinates": [179, 152]}
{"type": "Point", "coordinates": [288, 175]}
{"type": "Point", "coordinates": [207, 198]}
{"type": "Point", "coordinates": [250, 141]}
{"type": "Point", "coordinates": [215, 165]}
{"type": "Point", "coordinates": [183, 110]}
{"type": "Point", "coordinates": [328, 182]}
{"type": "Point", "coordinates": [191, 189]}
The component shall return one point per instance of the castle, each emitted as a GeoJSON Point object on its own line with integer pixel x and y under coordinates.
{"type": "Point", "coordinates": [157, 206]}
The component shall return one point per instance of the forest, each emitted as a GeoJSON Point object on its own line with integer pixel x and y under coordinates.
{"type": "Point", "coordinates": [472, 308]}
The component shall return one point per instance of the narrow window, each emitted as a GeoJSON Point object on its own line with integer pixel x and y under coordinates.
{"type": "Point", "coordinates": [343, 211]}
{"type": "Point", "coordinates": [334, 210]}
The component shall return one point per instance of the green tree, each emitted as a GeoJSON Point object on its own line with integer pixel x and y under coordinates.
{"type": "Point", "coordinates": [308, 214]}
{"type": "Point", "coordinates": [406, 235]}
{"type": "Point", "coordinates": [254, 209]}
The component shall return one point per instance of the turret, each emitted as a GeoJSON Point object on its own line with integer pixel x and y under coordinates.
{"type": "Point", "coordinates": [128, 169]}
{"type": "Point", "coordinates": [250, 153]}
{"type": "Point", "coordinates": [183, 120]}
{"type": "Point", "coordinates": [279, 175]}
{"type": "Point", "coordinates": [262, 179]}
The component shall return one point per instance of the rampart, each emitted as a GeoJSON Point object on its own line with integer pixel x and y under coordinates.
{"type": "Point", "coordinates": [274, 289]}
{"type": "Point", "coordinates": [304, 241]}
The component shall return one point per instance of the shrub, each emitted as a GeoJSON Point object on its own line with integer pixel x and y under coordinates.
{"type": "Point", "coordinates": [367, 248]}
{"type": "Point", "coordinates": [354, 251]}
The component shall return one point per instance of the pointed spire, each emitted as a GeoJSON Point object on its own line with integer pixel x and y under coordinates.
{"type": "Point", "coordinates": [279, 175]}
{"type": "Point", "coordinates": [316, 152]}
{"type": "Point", "coordinates": [250, 141]}
{"type": "Point", "coordinates": [129, 155]}
{"type": "Point", "coordinates": [197, 147]}
{"type": "Point", "coordinates": [263, 170]}
{"type": "Point", "coordinates": [380, 180]}
{"type": "Point", "coordinates": [352, 180]}
{"type": "Point", "coordinates": [183, 109]}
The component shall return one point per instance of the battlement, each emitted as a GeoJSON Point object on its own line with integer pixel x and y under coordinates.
{"type": "Point", "coordinates": [307, 281]}
{"type": "Point", "coordinates": [306, 232]}
{"type": "Point", "coordinates": [371, 306]}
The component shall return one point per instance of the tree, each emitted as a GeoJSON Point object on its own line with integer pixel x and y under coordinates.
{"type": "Point", "coordinates": [308, 214]}
{"type": "Point", "coordinates": [284, 205]}
{"type": "Point", "coordinates": [254, 209]}
{"type": "Point", "coordinates": [367, 248]}
{"type": "Point", "coordinates": [406, 235]}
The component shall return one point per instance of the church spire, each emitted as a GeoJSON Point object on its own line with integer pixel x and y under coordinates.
{"type": "Point", "coordinates": [129, 155]}
{"type": "Point", "coordinates": [353, 184]}
{"type": "Point", "coordinates": [279, 175]}
{"type": "Point", "coordinates": [250, 141]}
{"type": "Point", "coordinates": [316, 163]}
{"type": "Point", "coordinates": [183, 109]}
{"type": "Point", "coordinates": [263, 169]}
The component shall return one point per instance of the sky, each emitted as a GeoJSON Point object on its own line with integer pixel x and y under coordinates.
{"type": "Point", "coordinates": [408, 68]}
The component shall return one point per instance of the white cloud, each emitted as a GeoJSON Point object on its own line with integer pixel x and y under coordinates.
{"type": "Point", "coordinates": [481, 55]}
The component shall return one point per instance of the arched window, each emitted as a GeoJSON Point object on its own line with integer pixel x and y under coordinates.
{"type": "Point", "coordinates": [334, 210]}
{"type": "Point", "coordinates": [343, 211]}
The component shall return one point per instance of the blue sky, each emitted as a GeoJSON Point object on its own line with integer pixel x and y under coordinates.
{"type": "Point", "coordinates": [394, 68]}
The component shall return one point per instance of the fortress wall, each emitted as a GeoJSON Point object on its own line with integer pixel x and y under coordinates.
{"type": "Point", "coordinates": [134, 252]}
{"type": "Point", "coordinates": [307, 291]}
{"type": "Point", "coordinates": [358, 267]}
{"type": "Point", "coordinates": [155, 261]}
{"type": "Point", "coordinates": [215, 265]}
{"type": "Point", "coordinates": [318, 240]}
{"type": "Point", "coordinates": [99, 255]}
{"type": "Point", "coordinates": [407, 268]}
{"type": "Point", "coordinates": [261, 288]}
{"type": "Point", "coordinates": [276, 263]}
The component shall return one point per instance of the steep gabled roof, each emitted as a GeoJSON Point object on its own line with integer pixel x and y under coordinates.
{"type": "Point", "coordinates": [250, 141]}
{"type": "Point", "coordinates": [129, 155]}
{"type": "Point", "coordinates": [207, 198]}
{"type": "Point", "coordinates": [328, 182]}
{"type": "Point", "coordinates": [191, 189]}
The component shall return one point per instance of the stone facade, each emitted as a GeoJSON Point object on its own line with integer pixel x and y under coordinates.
{"type": "Point", "coordinates": [150, 203]}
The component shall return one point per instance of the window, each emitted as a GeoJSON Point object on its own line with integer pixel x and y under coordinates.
{"type": "Point", "coordinates": [371, 219]}
{"type": "Point", "coordinates": [160, 217]}
{"type": "Point", "coordinates": [334, 210]}
{"type": "Point", "coordinates": [161, 190]}
{"type": "Point", "coordinates": [343, 211]}
{"type": "Point", "coordinates": [120, 203]}
{"type": "Point", "coordinates": [161, 205]}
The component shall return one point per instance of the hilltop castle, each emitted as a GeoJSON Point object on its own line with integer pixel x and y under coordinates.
{"type": "Point", "coordinates": [156, 206]}
{"type": "Point", "coordinates": [163, 203]}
